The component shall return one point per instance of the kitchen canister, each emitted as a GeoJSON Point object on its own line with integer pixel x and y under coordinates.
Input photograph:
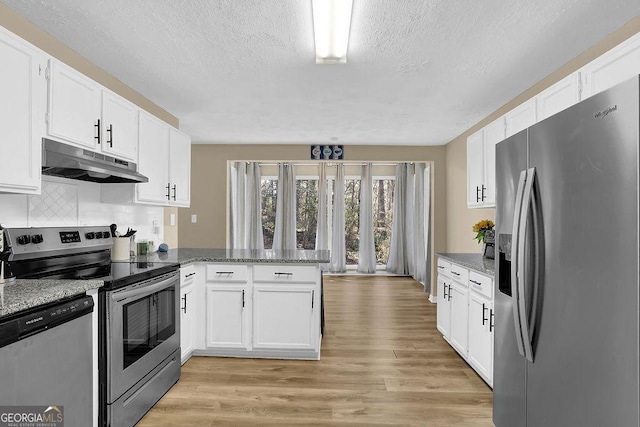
{"type": "Point", "coordinates": [121, 249]}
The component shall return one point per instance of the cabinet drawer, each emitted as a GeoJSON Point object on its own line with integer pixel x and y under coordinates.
{"type": "Point", "coordinates": [226, 273]}
{"type": "Point", "coordinates": [187, 274]}
{"type": "Point", "coordinates": [285, 273]}
{"type": "Point", "coordinates": [481, 284]}
{"type": "Point", "coordinates": [444, 267]}
{"type": "Point", "coordinates": [460, 274]}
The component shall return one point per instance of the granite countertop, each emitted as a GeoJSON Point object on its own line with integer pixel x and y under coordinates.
{"type": "Point", "coordinates": [23, 294]}
{"type": "Point", "coordinates": [473, 261]}
{"type": "Point", "coordinates": [190, 255]}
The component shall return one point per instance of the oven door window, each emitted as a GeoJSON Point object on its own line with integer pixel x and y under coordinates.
{"type": "Point", "coordinates": [147, 323]}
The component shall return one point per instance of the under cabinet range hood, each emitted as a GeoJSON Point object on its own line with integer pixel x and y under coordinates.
{"type": "Point", "coordinates": [70, 162]}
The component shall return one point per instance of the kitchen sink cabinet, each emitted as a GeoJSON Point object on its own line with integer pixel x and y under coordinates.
{"type": "Point", "coordinates": [24, 91]}
{"type": "Point", "coordinates": [83, 113]}
{"type": "Point", "coordinates": [481, 166]}
{"type": "Point", "coordinates": [187, 311]}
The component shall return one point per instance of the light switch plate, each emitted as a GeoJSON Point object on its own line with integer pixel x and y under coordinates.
{"type": "Point", "coordinates": [172, 219]}
{"type": "Point", "coordinates": [194, 218]}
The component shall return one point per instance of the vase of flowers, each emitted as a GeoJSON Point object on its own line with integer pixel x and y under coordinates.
{"type": "Point", "coordinates": [486, 235]}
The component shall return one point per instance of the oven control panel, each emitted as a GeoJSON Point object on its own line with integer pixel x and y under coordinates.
{"type": "Point", "coordinates": [41, 241]}
{"type": "Point", "coordinates": [70, 236]}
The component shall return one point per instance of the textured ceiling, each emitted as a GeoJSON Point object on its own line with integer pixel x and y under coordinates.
{"type": "Point", "coordinates": [243, 71]}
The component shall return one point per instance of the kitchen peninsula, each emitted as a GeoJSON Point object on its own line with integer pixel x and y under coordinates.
{"type": "Point", "coordinates": [249, 303]}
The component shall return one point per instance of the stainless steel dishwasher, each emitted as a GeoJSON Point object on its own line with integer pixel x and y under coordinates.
{"type": "Point", "coordinates": [46, 361]}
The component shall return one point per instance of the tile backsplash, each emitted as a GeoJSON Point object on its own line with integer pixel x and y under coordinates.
{"type": "Point", "coordinates": [66, 202]}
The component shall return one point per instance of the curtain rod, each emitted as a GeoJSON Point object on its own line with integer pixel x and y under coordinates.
{"type": "Point", "coordinates": [333, 163]}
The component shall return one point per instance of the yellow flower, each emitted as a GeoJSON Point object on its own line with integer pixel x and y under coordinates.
{"type": "Point", "coordinates": [481, 227]}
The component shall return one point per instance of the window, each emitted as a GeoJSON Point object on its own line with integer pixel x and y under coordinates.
{"type": "Point", "coordinates": [383, 216]}
{"type": "Point", "coordinates": [306, 213]}
{"type": "Point", "coordinates": [269, 192]}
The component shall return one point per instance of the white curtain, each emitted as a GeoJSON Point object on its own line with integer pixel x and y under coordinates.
{"type": "Point", "coordinates": [322, 230]}
{"type": "Point", "coordinates": [409, 218]}
{"type": "Point", "coordinates": [366, 246]}
{"type": "Point", "coordinates": [398, 262]}
{"type": "Point", "coordinates": [237, 215]}
{"type": "Point", "coordinates": [409, 252]}
{"type": "Point", "coordinates": [338, 254]}
{"type": "Point", "coordinates": [419, 219]}
{"type": "Point", "coordinates": [284, 237]}
{"type": "Point", "coordinates": [246, 206]}
{"type": "Point", "coordinates": [253, 207]}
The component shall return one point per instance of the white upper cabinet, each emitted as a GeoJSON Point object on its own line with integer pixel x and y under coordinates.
{"type": "Point", "coordinates": [84, 114]}
{"type": "Point", "coordinates": [481, 164]}
{"type": "Point", "coordinates": [24, 93]}
{"type": "Point", "coordinates": [74, 106]}
{"type": "Point", "coordinates": [615, 66]}
{"type": "Point", "coordinates": [520, 117]}
{"type": "Point", "coordinates": [179, 168]}
{"type": "Point", "coordinates": [558, 97]}
{"type": "Point", "coordinates": [119, 126]}
{"type": "Point", "coordinates": [154, 159]}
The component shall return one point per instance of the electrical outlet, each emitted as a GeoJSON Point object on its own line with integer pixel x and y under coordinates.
{"type": "Point", "coordinates": [194, 218]}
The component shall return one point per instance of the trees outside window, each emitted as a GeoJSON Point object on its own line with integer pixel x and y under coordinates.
{"type": "Point", "coordinates": [307, 214]}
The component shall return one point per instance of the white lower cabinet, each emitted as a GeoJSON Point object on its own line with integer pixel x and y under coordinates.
{"type": "Point", "coordinates": [187, 311]}
{"type": "Point", "coordinates": [284, 317]}
{"type": "Point", "coordinates": [459, 318]}
{"type": "Point", "coordinates": [227, 316]}
{"type": "Point", "coordinates": [465, 316]}
{"type": "Point", "coordinates": [481, 336]}
{"type": "Point", "coordinates": [251, 310]}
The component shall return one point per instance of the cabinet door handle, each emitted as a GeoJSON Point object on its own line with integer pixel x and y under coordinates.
{"type": "Point", "coordinates": [444, 289]}
{"type": "Point", "coordinates": [477, 194]}
{"type": "Point", "coordinates": [313, 297]}
{"type": "Point", "coordinates": [483, 188]}
{"type": "Point", "coordinates": [169, 191]}
{"type": "Point", "coordinates": [110, 130]}
{"type": "Point", "coordinates": [174, 191]}
{"type": "Point", "coordinates": [227, 273]}
{"type": "Point", "coordinates": [449, 292]}
{"type": "Point", "coordinates": [484, 309]}
{"type": "Point", "coordinates": [491, 326]}
{"type": "Point", "coordinates": [184, 309]}
{"type": "Point", "coordinates": [97, 138]}
{"type": "Point", "coordinates": [243, 298]}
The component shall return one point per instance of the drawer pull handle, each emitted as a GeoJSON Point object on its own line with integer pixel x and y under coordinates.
{"type": "Point", "coordinates": [457, 274]}
{"type": "Point", "coordinates": [226, 273]}
{"type": "Point", "coordinates": [484, 309]}
{"type": "Point", "coordinates": [441, 266]}
{"type": "Point", "coordinates": [283, 274]}
{"type": "Point", "coordinates": [475, 283]}
{"type": "Point", "coordinates": [190, 274]}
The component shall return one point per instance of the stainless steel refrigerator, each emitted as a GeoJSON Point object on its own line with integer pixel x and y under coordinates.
{"type": "Point", "coordinates": [566, 295]}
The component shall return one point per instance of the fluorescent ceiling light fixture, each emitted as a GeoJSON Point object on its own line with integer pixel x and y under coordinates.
{"type": "Point", "coordinates": [331, 24]}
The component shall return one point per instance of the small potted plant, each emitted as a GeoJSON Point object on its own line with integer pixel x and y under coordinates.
{"type": "Point", "coordinates": [486, 235]}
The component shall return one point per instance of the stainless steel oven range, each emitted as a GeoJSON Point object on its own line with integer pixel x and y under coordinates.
{"type": "Point", "coordinates": [138, 312]}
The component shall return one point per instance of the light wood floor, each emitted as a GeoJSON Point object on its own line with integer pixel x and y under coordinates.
{"type": "Point", "coordinates": [382, 362]}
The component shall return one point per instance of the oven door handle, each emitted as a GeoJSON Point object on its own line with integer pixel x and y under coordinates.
{"type": "Point", "coordinates": [142, 291]}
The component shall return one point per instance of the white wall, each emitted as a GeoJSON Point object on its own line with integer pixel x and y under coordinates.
{"type": "Point", "coordinates": [66, 202]}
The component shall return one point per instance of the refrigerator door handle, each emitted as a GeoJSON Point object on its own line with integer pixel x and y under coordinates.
{"type": "Point", "coordinates": [515, 268]}
{"type": "Point", "coordinates": [527, 201]}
